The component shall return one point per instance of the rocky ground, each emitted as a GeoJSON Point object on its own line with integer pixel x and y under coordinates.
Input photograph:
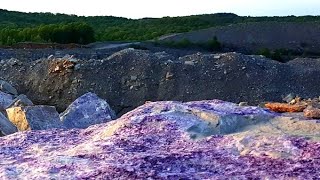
{"type": "Point", "coordinates": [171, 140]}
{"type": "Point", "coordinates": [129, 77]}
{"type": "Point", "coordinates": [207, 139]}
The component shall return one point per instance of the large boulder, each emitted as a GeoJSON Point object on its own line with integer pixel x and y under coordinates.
{"type": "Point", "coordinates": [156, 141]}
{"type": "Point", "coordinates": [87, 110]}
{"type": "Point", "coordinates": [7, 88]}
{"type": "Point", "coordinates": [6, 127]}
{"type": "Point", "coordinates": [34, 117]}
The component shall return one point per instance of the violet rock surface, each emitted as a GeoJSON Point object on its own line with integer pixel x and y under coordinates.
{"type": "Point", "coordinates": [171, 140]}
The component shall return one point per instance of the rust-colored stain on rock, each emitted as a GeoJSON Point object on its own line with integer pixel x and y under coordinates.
{"type": "Point", "coordinates": [284, 107]}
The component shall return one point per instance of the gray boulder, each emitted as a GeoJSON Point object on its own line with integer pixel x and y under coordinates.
{"type": "Point", "coordinates": [20, 101]}
{"type": "Point", "coordinates": [5, 100]}
{"type": "Point", "coordinates": [34, 117]}
{"type": "Point", "coordinates": [6, 127]}
{"type": "Point", "coordinates": [7, 88]}
{"type": "Point", "coordinates": [87, 110]}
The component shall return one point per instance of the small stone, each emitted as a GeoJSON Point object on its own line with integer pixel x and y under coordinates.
{"type": "Point", "coordinates": [6, 127]}
{"type": "Point", "coordinates": [133, 78]}
{"type": "Point", "coordinates": [169, 76]}
{"type": "Point", "coordinates": [243, 104]}
{"type": "Point", "coordinates": [5, 100]}
{"type": "Point", "coordinates": [293, 101]}
{"type": "Point", "coordinates": [51, 57]}
{"type": "Point", "coordinates": [7, 88]}
{"type": "Point", "coordinates": [77, 67]}
{"type": "Point", "coordinates": [189, 63]}
{"type": "Point", "coordinates": [20, 101]}
{"type": "Point", "coordinates": [312, 113]}
{"type": "Point", "coordinates": [289, 98]}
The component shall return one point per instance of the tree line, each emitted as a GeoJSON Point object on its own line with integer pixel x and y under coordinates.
{"type": "Point", "coordinates": [77, 32]}
{"type": "Point", "coordinates": [62, 28]}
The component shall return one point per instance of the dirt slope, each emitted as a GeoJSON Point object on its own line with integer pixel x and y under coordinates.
{"type": "Point", "coordinates": [254, 36]}
{"type": "Point", "coordinates": [130, 77]}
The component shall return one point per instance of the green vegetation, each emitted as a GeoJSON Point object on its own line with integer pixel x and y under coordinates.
{"type": "Point", "coordinates": [281, 55]}
{"type": "Point", "coordinates": [185, 43]}
{"type": "Point", "coordinates": [48, 27]}
{"type": "Point", "coordinates": [265, 52]}
{"type": "Point", "coordinates": [80, 33]}
{"type": "Point", "coordinates": [211, 45]}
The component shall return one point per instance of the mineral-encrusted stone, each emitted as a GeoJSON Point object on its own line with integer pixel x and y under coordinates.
{"type": "Point", "coordinates": [6, 127]}
{"type": "Point", "coordinates": [87, 110]}
{"type": "Point", "coordinates": [34, 117]}
{"type": "Point", "coordinates": [7, 88]}
{"type": "Point", "coordinates": [154, 141]}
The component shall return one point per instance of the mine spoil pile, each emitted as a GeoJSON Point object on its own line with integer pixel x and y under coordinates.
{"type": "Point", "coordinates": [128, 78]}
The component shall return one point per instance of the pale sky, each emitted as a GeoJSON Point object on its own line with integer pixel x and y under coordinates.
{"type": "Point", "coordinates": [160, 8]}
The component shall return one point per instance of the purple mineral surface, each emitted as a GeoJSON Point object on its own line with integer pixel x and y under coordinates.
{"type": "Point", "coordinates": [170, 140]}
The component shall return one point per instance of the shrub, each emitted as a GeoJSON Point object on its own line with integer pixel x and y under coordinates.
{"type": "Point", "coordinates": [183, 43]}
{"type": "Point", "coordinates": [265, 52]}
{"type": "Point", "coordinates": [214, 44]}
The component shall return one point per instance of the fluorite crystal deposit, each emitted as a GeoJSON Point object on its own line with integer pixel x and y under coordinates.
{"type": "Point", "coordinates": [171, 140]}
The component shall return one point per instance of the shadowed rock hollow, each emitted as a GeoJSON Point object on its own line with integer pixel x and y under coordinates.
{"type": "Point", "coordinates": [171, 140]}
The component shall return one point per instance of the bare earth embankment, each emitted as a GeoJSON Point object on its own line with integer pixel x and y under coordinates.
{"type": "Point", "coordinates": [128, 78]}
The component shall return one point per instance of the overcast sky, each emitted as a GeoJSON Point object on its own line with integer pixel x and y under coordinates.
{"type": "Point", "coordinates": [160, 8]}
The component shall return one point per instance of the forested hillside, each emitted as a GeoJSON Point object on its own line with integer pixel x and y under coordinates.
{"type": "Point", "coordinates": [46, 27]}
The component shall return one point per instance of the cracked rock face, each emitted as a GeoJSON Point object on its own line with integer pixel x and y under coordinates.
{"type": "Point", "coordinates": [171, 140]}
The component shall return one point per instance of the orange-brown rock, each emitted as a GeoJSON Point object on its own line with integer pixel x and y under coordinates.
{"type": "Point", "coordinates": [284, 107]}
{"type": "Point", "coordinates": [312, 113]}
{"type": "Point", "coordinates": [61, 66]}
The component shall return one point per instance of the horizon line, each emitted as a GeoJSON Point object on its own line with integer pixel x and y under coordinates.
{"type": "Point", "coordinates": [78, 15]}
